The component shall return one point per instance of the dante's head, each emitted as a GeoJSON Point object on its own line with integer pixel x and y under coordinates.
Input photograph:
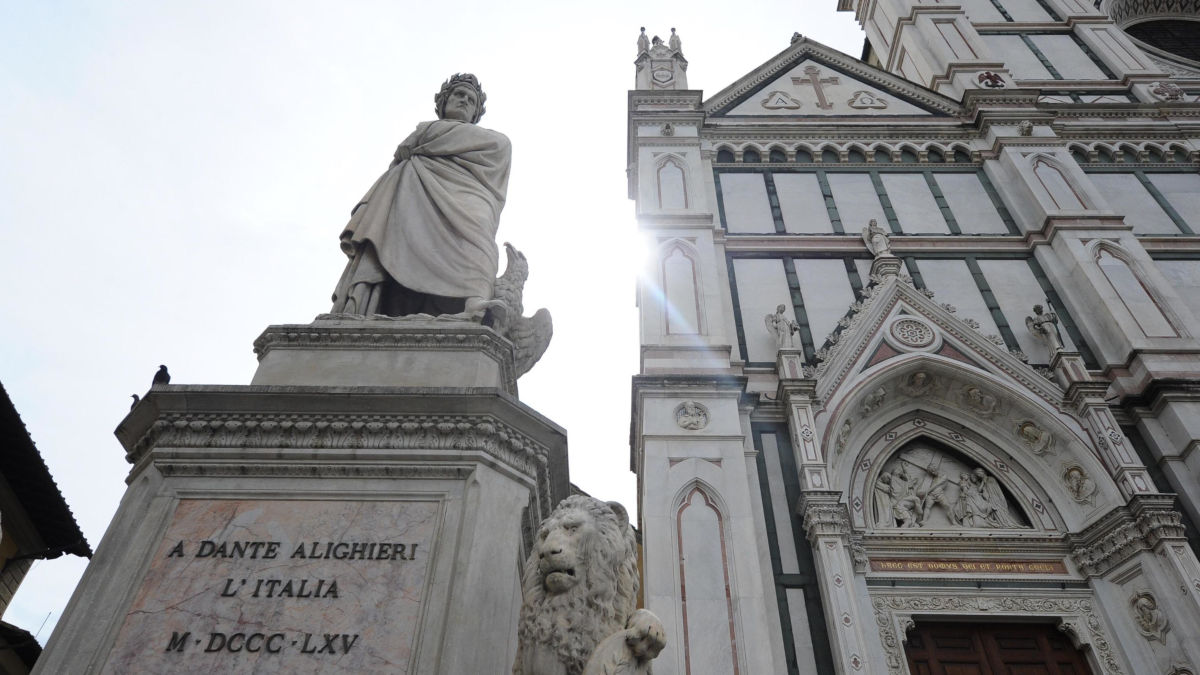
{"type": "Point", "coordinates": [460, 98]}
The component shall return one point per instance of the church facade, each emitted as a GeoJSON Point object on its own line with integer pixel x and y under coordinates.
{"type": "Point", "coordinates": [920, 345]}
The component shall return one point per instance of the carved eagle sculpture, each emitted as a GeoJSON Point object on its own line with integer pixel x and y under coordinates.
{"type": "Point", "coordinates": [530, 335]}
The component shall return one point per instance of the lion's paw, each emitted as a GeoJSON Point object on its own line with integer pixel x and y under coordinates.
{"type": "Point", "coordinates": [645, 635]}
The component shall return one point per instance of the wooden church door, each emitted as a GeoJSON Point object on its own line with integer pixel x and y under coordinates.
{"type": "Point", "coordinates": [992, 649]}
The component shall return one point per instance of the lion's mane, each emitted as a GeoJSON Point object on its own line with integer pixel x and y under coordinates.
{"type": "Point", "coordinates": [573, 622]}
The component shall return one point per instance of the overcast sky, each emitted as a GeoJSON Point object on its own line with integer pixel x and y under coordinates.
{"type": "Point", "coordinates": [174, 177]}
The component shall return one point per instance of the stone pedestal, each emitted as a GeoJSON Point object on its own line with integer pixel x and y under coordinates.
{"type": "Point", "coordinates": [886, 266]}
{"type": "Point", "coordinates": [309, 523]}
{"type": "Point", "coordinates": [385, 352]}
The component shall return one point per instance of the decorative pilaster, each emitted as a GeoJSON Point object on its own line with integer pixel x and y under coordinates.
{"type": "Point", "coordinates": [799, 397]}
{"type": "Point", "coordinates": [1131, 477]}
{"type": "Point", "coordinates": [827, 524]}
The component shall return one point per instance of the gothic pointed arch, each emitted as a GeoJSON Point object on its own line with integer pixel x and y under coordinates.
{"type": "Point", "coordinates": [1056, 182]}
{"type": "Point", "coordinates": [1041, 456]}
{"type": "Point", "coordinates": [671, 180]}
{"type": "Point", "coordinates": [927, 473]}
{"type": "Point", "coordinates": [1141, 299]}
{"type": "Point", "coordinates": [705, 589]}
{"type": "Point", "coordinates": [679, 281]}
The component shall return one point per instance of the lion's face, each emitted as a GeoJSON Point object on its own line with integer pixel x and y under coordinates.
{"type": "Point", "coordinates": [563, 543]}
{"type": "Point", "coordinates": [582, 574]}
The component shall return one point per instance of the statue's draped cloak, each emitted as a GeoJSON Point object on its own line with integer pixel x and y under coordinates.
{"type": "Point", "coordinates": [432, 218]}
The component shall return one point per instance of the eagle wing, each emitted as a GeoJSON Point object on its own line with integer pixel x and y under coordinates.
{"type": "Point", "coordinates": [530, 336]}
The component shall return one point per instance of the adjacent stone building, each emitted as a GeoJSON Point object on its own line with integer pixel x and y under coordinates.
{"type": "Point", "coordinates": [860, 447]}
{"type": "Point", "coordinates": [35, 524]}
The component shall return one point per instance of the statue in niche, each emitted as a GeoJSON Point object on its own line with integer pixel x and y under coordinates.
{"type": "Point", "coordinates": [979, 401]}
{"type": "Point", "coordinates": [874, 401]}
{"type": "Point", "coordinates": [1151, 621]}
{"type": "Point", "coordinates": [918, 384]}
{"type": "Point", "coordinates": [877, 240]}
{"type": "Point", "coordinates": [1038, 439]}
{"type": "Point", "coordinates": [1044, 326]}
{"type": "Point", "coordinates": [842, 437]}
{"type": "Point", "coordinates": [782, 328]}
{"type": "Point", "coordinates": [422, 240]}
{"type": "Point", "coordinates": [916, 489]}
{"type": "Point", "coordinates": [1079, 486]}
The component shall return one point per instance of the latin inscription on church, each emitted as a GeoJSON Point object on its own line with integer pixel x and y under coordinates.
{"type": "Point", "coordinates": [968, 566]}
{"type": "Point", "coordinates": [281, 586]}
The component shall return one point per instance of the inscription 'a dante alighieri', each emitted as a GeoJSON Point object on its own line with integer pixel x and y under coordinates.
{"type": "Point", "coordinates": [326, 550]}
{"type": "Point", "coordinates": [278, 586]}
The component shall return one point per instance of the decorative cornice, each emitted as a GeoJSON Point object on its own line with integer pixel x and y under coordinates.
{"type": "Point", "coordinates": [1126, 531]}
{"type": "Point", "coordinates": [170, 467]}
{"type": "Point", "coordinates": [386, 336]}
{"type": "Point", "coordinates": [643, 383]}
{"type": "Point", "coordinates": [343, 431]}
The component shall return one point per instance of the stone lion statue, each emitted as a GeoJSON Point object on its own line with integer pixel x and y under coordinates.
{"type": "Point", "coordinates": [580, 589]}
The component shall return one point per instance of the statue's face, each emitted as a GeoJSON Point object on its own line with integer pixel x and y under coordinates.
{"type": "Point", "coordinates": [461, 105]}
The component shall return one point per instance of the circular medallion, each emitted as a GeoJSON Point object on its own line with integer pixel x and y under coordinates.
{"type": "Point", "coordinates": [913, 333]}
{"type": "Point", "coordinates": [691, 415]}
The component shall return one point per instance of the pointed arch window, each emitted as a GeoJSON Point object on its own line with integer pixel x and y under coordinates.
{"type": "Point", "coordinates": [705, 592]}
{"type": "Point", "coordinates": [1133, 293]}
{"type": "Point", "coordinates": [681, 298]}
{"type": "Point", "coordinates": [1056, 185]}
{"type": "Point", "coordinates": [672, 185]}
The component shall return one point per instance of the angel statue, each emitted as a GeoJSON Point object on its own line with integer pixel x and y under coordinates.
{"type": "Point", "coordinates": [1044, 325]}
{"type": "Point", "coordinates": [876, 239]}
{"type": "Point", "coordinates": [781, 328]}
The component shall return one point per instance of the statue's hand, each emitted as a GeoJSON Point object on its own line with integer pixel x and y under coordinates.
{"type": "Point", "coordinates": [403, 152]}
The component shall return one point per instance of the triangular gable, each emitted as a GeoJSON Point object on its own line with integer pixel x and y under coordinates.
{"type": "Point", "coordinates": [810, 79]}
{"type": "Point", "coordinates": [873, 334]}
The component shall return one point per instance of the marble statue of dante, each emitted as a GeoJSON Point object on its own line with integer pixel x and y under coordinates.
{"type": "Point", "coordinates": [423, 238]}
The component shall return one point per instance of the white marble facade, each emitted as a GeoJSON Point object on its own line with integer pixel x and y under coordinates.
{"type": "Point", "coordinates": [913, 453]}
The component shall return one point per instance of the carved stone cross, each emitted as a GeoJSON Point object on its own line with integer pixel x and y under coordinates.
{"type": "Point", "coordinates": [814, 78]}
